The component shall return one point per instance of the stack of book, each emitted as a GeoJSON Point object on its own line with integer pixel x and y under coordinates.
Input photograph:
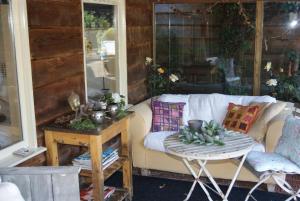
{"type": "Point", "coordinates": [86, 194]}
{"type": "Point", "coordinates": [109, 156]}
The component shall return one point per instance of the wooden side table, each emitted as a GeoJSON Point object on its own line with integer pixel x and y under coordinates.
{"type": "Point", "coordinates": [94, 139]}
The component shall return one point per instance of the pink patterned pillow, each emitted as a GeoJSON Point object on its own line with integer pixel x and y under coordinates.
{"type": "Point", "coordinates": [166, 116]}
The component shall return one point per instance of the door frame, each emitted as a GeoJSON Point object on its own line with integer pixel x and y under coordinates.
{"type": "Point", "coordinates": [121, 44]}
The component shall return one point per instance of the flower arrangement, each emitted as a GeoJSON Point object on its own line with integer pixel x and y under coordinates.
{"type": "Point", "coordinates": [282, 86]}
{"type": "Point", "coordinates": [159, 79]}
{"type": "Point", "coordinates": [114, 99]}
{"type": "Point", "coordinates": [211, 133]}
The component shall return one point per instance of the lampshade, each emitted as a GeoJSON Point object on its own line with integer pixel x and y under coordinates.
{"type": "Point", "coordinates": [98, 68]}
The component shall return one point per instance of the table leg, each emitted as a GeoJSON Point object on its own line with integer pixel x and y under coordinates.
{"type": "Point", "coordinates": [97, 173]}
{"type": "Point", "coordinates": [52, 151]}
{"type": "Point", "coordinates": [235, 176]}
{"type": "Point", "coordinates": [127, 166]}
{"type": "Point", "coordinates": [197, 180]}
{"type": "Point", "coordinates": [216, 186]}
{"type": "Point", "coordinates": [211, 179]}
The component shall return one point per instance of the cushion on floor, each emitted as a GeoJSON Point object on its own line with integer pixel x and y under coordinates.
{"type": "Point", "coordinates": [262, 161]}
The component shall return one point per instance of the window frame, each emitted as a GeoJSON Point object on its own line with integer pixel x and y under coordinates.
{"type": "Point", "coordinates": [19, 24]}
{"type": "Point", "coordinates": [121, 47]}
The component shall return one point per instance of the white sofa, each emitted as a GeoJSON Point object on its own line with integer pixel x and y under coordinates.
{"type": "Point", "coordinates": [198, 106]}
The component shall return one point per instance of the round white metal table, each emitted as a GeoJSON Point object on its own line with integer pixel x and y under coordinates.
{"type": "Point", "coordinates": [237, 145]}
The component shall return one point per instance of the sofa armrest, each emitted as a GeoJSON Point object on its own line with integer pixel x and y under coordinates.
{"type": "Point", "coordinates": [139, 127]}
{"type": "Point", "coordinates": [275, 127]}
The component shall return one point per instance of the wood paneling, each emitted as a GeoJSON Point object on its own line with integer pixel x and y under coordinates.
{"type": "Point", "coordinates": [49, 43]}
{"type": "Point", "coordinates": [59, 13]}
{"type": "Point", "coordinates": [51, 100]}
{"type": "Point", "coordinates": [139, 46]}
{"type": "Point", "coordinates": [45, 71]}
{"type": "Point", "coordinates": [55, 33]}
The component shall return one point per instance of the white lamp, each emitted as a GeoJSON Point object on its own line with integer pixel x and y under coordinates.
{"type": "Point", "coordinates": [100, 71]}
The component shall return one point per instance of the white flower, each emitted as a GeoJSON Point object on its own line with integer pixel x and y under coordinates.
{"type": "Point", "coordinates": [116, 97]}
{"type": "Point", "coordinates": [148, 60]}
{"type": "Point", "coordinates": [268, 66]}
{"type": "Point", "coordinates": [271, 82]}
{"type": "Point", "coordinates": [173, 78]}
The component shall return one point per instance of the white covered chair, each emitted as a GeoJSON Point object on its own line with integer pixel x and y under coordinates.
{"type": "Point", "coordinates": [284, 161]}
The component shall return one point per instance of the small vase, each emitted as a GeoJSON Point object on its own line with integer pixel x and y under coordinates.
{"type": "Point", "coordinates": [98, 116]}
{"type": "Point", "coordinates": [103, 105]}
{"type": "Point", "coordinates": [113, 109]}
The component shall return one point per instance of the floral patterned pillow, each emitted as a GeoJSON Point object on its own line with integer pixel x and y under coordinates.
{"type": "Point", "coordinates": [289, 143]}
{"type": "Point", "coordinates": [166, 116]}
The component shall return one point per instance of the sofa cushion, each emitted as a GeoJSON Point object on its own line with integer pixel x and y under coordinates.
{"type": "Point", "coordinates": [166, 116]}
{"type": "Point", "coordinates": [259, 129]}
{"type": "Point", "coordinates": [289, 143]}
{"type": "Point", "coordinates": [240, 118]}
{"type": "Point", "coordinates": [263, 161]}
{"type": "Point", "coordinates": [155, 141]}
{"type": "Point", "coordinates": [214, 106]}
{"type": "Point", "coordinates": [178, 98]}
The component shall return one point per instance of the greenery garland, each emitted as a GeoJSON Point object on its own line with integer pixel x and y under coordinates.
{"type": "Point", "coordinates": [211, 133]}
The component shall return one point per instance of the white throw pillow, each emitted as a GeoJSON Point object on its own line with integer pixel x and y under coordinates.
{"type": "Point", "coordinates": [177, 98]}
{"type": "Point", "coordinates": [10, 192]}
{"type": "Point", "coordinates": [155, 141]}
{"type": "Point", "coordinates": [263, 161]}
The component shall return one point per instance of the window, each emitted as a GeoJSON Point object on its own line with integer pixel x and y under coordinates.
{"type": "Point", "coordinates": [104, 47]}
{"type": "Point", "coordinates": [210, 46]}
{"type": "Point", "coordinates": [17, 122]}
{"type": "Point", "coordinates": [281, 51]}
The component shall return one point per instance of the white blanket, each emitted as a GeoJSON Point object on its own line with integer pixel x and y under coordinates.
{"type": "Point", "coordinates": [214, 106]}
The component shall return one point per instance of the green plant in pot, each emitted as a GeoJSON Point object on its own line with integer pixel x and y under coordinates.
{"type": "Point", "coordinates": [211, 133]}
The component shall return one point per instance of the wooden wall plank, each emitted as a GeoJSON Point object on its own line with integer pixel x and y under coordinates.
{"type": "Point", "coordinates": [47, 71]}
{"type": "Point", "coordinates": [51, 100]}
{"type": "Point", "coordinates": [48, 43]}
{"type": "Point", "coordinates": [60, 13]}
{"type": "Point", "coordinates": [139, 46]}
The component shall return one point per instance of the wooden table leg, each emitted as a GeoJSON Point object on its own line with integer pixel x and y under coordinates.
{"type": "Point", "coordinates": [97, 173]}
{"type": "Point", "coordinates": [127, 167]}
{"type": "Point", "coordinates": [52, 151]}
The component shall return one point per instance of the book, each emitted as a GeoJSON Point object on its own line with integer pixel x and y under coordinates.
{"type": "Point", "coordinates": [86, 194]}
{"type": "Point", "coordinates": [109, 156]}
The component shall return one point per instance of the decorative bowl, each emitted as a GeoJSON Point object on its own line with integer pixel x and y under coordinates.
{"type": "Point", "coordinates": [195, 124]}
{"type": "Point", "coordinates": [98, 116]}
{"type": "Point", "coordinates": [113, 109]}
{"type": "Point", "coordinates": [103, 105]}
